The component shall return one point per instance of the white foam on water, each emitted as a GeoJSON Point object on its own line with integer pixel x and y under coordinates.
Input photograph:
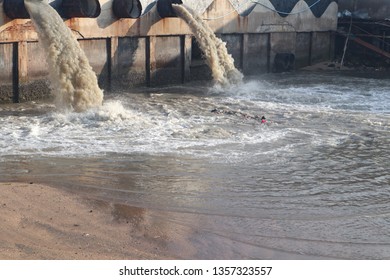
{"type": "Point", "coordinates": [314, 171]}
{"type": "Point", "coordinates": [347, 94]}
{"type": "Point", "coordinates": [115, 128]}
{"type": "Point", "coordinates": [185, 124]}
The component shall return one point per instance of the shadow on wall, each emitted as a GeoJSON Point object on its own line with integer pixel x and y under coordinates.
{"type": "Point", "coordinates": [146, 60]}
{"type": "Point", "coordinates": [128, 58]}
{"type": "Point", "coordinates": [122, 52]}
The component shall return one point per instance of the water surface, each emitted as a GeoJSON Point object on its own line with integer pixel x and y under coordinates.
{"type": "Point", "coordinates": [313, 182]}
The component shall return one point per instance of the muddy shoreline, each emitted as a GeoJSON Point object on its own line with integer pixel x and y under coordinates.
{"type": "Point", "coordinates": [41, 222]}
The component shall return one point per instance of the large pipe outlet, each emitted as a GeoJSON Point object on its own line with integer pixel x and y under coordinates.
{"type": "Point", "coordinates": [127, 8]}
{"type": "Point", "coordinates": [165, 9]}
{"type": "Point", "coordinates": [80, 8]}
{"type": "Point", "coordinates": [15, 9]}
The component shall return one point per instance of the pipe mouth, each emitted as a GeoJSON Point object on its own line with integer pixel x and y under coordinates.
{"type": "Point", "coordinates": [165, 9]}
{"type": "Point", "coordinates": [80, 8]}
{"type": "Point", "coordinates": [283, 62]}
{"type": "Point", "coordinates": [127, 8]}
{"type": "Point", "coordinates": [15, 9]}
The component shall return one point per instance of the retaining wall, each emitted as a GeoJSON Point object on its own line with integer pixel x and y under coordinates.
{"type": "Point", "coordinates": [152, 51]}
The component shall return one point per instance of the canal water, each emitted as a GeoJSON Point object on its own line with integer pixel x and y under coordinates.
{"type": "Point", "coordinates": [313, 182]}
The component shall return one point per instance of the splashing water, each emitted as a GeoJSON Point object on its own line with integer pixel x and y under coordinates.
{"type": "Point", "coordinates": [219, 60]}
{"type": "Point", "coordinates": [311, 183]}
{"type": "Point", "coordinates": [72, 79]}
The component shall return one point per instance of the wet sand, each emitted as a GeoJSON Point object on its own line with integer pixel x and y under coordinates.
{"type": "Point", "coordinates": [41, 222]}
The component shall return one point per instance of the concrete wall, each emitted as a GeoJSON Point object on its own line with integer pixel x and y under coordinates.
{"type": "Point", "coordinates": [321, 46]}
{"type": "Point", "coordinates": [129, 63]}
{"type": "Point", "coordinates": [303, 49]}
{"type": "Point", "coordinates": [257, 53]}
{"type": "Point", "coordinates": [6, 71]}
{"type": "Point", "coordinates": [153, 51]}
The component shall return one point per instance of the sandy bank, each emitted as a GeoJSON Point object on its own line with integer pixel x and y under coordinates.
{"type": "Point", "coordinates": [40, 222]}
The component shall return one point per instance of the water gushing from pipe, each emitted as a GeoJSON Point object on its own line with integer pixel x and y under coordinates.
{"type": "Point", "coordinates": [219, 60]}
{"type": "Point", "coordinates": [73, 81]}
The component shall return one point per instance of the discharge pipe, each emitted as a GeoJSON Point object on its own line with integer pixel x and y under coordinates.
{"type": "Point", "coordinates": [80, 8]}
{"type": "Point", "coordinates": [15, 9]}
{"type": "Point", "coordinates": [127, 8]}
{"type": "Point", "coordinates": [165, 9]}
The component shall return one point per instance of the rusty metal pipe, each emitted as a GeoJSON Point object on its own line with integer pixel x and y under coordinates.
{"type": "Point", "coordinates": [80, 8]}
{"type": "Point", "coordinates": [165, 9]}
{"type": "Point", "coordinates": [15, 9]}
{"type": "Point", "coordinates": [127, 8]}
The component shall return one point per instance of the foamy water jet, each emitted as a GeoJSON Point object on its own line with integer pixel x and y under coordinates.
{"type": "Point", "coordinates": [219, 60]}
{"type": "Point", "coordinates": [72, 79]}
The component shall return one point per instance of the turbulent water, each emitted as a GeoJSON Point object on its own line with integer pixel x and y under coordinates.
{"type": "Point", "coordinates": [72, 78]}
{"type": "Point", "coordinates": [313, 182]}
{"type": "Point", "coordinates": [214, 49]}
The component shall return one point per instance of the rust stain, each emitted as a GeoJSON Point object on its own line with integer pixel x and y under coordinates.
{"type": "Point", "coordinates": [165, 25]}
{"type": "Point", "coordinates": [28, 26]}
{"type": "Point", "coordinates": [242, 23]}
{"type": "Point", "coordinates": [18, 31]}
{"type": "Point", "coordinates": [72, 23]}
{"type": "Point", "coordinates": [138, 27]}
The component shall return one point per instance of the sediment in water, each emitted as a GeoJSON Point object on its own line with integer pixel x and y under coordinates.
{"type": "Point", "coordinates": [72, 79]}
{"type": "Point", "coordinates": [219, 60]}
